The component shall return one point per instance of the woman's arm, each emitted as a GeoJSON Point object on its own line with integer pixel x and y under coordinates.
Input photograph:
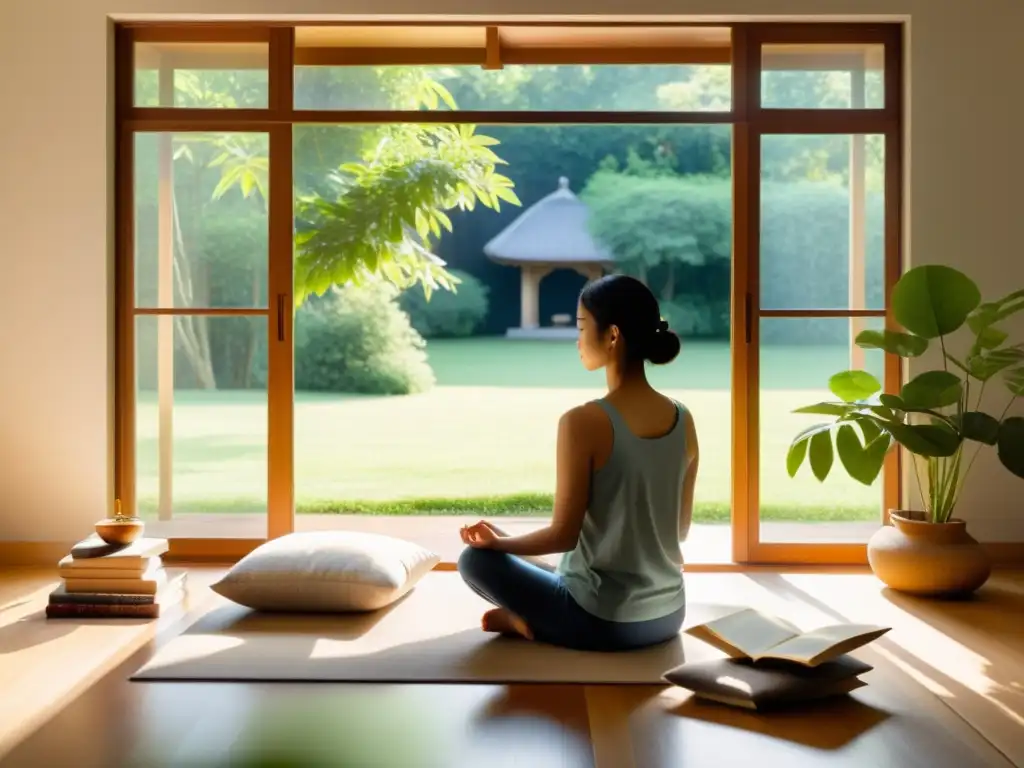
{"type": "Point", "coordinates": [572, 492]}
{"type": "Point", "coordinates": [538, 561]}
{"type": "Point", "coordinates": [690, 479]}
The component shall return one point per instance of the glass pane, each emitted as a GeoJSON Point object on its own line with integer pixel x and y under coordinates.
{"type": "Point", "coordinates": [201, 220]}
{"type": "Point", "coordinates": [682, 87]}
{"type": "Point", "coordinates": [201, 425]}
{"type": "Point", "coordinates": [387, 434]}
{"type": "Point", "coordinates": [797, 358]}
{"type": "Point", "coordinates": [823, 222]}
{"type": "Point", "coordinates": [839, 76]}
{"type": "Point", "coordinates": [206, 75]}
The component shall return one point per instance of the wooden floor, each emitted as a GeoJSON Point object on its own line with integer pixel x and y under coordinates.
{"type": "Point", "coordinates": [948, 690]}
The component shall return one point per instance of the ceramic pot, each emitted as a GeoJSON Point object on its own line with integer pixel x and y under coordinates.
{"type": "Point", "coordinates": [120, 530]}
{"type": "Point", "coordinates": [915, 556]}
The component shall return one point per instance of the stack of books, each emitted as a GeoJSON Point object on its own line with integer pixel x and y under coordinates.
{"type": "Point", "coordinates": [101, 580]}
{"type": "Point", "coordinates": [772, 663]}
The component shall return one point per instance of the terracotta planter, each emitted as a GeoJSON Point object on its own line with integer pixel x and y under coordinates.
{"type": "Point", "coordinates": [928, 559]}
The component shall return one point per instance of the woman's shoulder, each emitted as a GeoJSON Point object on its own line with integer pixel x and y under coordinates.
{"type": "Point", "coordinates": [592, 411]}
{"type": "Point", "coordinates": [669, 401]}
{"type": "Point", "coordinates": [586, 420]}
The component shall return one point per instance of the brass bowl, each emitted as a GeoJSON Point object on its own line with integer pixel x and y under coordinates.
{"type": "Point", "coordinates": [120, 531]}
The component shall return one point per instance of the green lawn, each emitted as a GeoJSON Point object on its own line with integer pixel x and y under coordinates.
{"type": "Point", "coordinates": [482, 441]}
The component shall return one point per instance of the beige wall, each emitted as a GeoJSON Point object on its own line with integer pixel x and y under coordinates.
{"type": "Point", "coordinates": [966, 172]}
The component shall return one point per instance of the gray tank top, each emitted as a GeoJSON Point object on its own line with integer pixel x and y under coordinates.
{"type": "Point", "coordinates": [627, 565]}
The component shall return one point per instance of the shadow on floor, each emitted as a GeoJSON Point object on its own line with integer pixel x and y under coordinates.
{"type": "Point", "coordinates": [826, 725]}
{"type": "Point", "coordinates": [1001, 606]}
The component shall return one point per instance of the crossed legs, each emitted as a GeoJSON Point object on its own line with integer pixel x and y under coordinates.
{"type": "Point", "coordinates": [528, 597]}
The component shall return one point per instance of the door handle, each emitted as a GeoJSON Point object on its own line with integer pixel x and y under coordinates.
{"type": "Point", "coordinates": [280, 315]}
{"type": "Point", "coordinates": [748, 317]}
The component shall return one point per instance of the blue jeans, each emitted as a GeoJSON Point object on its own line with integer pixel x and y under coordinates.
{"type": "Point", "coordinates": [543, 601]}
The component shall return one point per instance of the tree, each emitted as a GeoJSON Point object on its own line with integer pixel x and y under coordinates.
{"type": "Point", "coordinates": [243, 165]}
{"type": "Point", "coordinates": [662, 223]}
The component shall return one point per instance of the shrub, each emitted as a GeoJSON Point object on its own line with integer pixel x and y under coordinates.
{"type": "Point", "coordinates": [666, 221]}
{"type": "Point", "coordinates": [447, 314]}
{"type": "Point", "coordinates": [697, 316]}
{"type": "Point", "coordinates": [805, 263]}
{"type": "Point", "coordinates": [675, 232]}
{"type": "Point", "coordinates": [358, 340]}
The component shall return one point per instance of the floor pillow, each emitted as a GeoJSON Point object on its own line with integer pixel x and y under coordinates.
{"type": "Point", "coordinates": [326, 572]}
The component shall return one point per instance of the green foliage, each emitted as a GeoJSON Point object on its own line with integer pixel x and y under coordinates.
{"type": "Point", "coordinates": [980, 426]}
{"type": "Point", "coordinates": [674, 231]}
{"type": "Point", "coordinates": [1010, 441]}
{"type": "Point", "coordinates": [357, 340]}
{"type": "Point", "coordinates": [893, 342]}
{"type": "Point", "coordinates": [698, 315]}
{"type": "Point", "coordinates": [851, 386]}
{"type": "Point", "coordinates": [934, 300]}
{"type": "Point", "coordinates": [396, 182]}
{"type": "Point", "coordinates": [931, 389]}
{"type": "Point", "coordinates": [375, 218]}
{"type": "Point", "coordinates": [860, 460]}
{"type": "Point", "coordinates": [647, 222]}
{"type": "Point", "coordinates": [537, 155]}
{"type": "Point", "coordinates": [219, 176]}
{"type": "Point", "coordinates": [588, 88]}
{"type": "Point", "coordinates": [933, 417]}
{"type": "Point", "coordinates": [805, 261]}
{"type": "Point", "coordinates": [447, 313]}
{"type": "Point", "coordinates": [382, 213]}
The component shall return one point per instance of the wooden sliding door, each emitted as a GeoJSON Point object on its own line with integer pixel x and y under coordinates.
{"type": "Point", "coordinates": [822, 190]}
{"type": "Point", "coordinates": [204, 266]}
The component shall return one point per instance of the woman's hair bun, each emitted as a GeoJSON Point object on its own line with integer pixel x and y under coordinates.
{"type": "Point", "coordinates": [664, 345]}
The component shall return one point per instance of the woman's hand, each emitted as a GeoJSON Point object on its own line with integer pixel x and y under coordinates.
{"type": "Point", "coordinates": [481, 535]}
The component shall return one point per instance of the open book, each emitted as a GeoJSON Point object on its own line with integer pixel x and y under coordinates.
{"type": "Point", "coordinates": [749, 634]}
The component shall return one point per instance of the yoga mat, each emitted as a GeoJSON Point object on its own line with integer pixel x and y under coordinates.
{"type": "Point", "coordinates": [432, 635]}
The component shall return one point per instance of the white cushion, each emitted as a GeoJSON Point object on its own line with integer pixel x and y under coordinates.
{"type": "Point", "coordinates": [326, 572]}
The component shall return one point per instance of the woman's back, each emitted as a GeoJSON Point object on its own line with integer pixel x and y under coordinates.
{"type": "Point", "coordinates": [626, 472]}
{"type": "Point", "coordinates": [627, 565]}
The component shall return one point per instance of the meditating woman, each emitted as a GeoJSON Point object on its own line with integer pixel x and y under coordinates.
{"type": "Point", "coordinates": [626, 467]}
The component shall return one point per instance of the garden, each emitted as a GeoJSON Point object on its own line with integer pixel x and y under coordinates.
{"type": "Point", "coordinates": [409, 400]}
{"type": "Point", "coordinates": [481, 440]}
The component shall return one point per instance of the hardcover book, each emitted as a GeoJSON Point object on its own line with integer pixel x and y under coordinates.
{"type": "Point", "coordinates": [749, 634]}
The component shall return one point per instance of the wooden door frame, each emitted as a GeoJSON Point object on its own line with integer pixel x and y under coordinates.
{"type": "Point", "coordinates": [749, 122]}
{"type": "Point", "coordinates": [762, 121]}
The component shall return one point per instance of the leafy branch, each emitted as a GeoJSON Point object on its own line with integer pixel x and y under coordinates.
{"type": "Point", "coordinates": [381, 215]}
{"type": "Point", "coordinates": [380, 220]}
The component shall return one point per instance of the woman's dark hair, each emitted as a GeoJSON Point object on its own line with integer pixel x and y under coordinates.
{"type": "Point", "coordinates": [629, 305]}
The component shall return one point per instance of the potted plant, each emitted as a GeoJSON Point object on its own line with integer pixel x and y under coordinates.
{"type": "Point", "coordinates": [937, 418]}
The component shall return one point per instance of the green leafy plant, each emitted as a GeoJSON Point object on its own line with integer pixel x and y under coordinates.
{"type": "Point", "coordinates": [380, 220]}
{"type": "Point", "coordinates": [356, 339]}
{"type": "Point", "coordinates": [938, 412]}
{"type": "Point", "coordinates": [377, 218]}
{"type": "Point", "coordinates": [447, 314]}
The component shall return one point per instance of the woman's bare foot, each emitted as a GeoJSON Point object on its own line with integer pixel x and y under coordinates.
{"type": "Point", "coordinates": [506, 623]}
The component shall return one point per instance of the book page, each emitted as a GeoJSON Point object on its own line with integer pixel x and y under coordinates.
{"type": "Point", "coordinates": [748, 631]}
{"type": "Point", "coordinates": [812, 648]}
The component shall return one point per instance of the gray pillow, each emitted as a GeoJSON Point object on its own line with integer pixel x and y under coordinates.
{"type": "Point", "coordinates": [763, 685]}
